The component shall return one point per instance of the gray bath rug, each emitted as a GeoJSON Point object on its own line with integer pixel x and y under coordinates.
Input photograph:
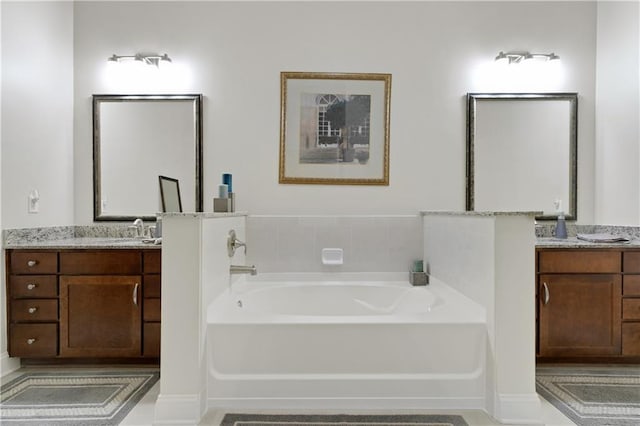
{"type": "Point", "coordinates": [340, 419]}
{"type": "Point", "coordinates": [73, 397]}
{"type": "Point", "coordinates": [593, 395]}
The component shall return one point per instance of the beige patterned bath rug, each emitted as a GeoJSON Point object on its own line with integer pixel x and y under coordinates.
{"type": "Point", "coordinates": [73, 397]}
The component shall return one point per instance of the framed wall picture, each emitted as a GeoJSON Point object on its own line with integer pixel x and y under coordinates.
{"type": "Point", "coordinates": [334, 128]}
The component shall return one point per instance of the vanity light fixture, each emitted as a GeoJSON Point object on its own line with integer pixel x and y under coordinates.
{"type": "Point", "coordinates": [155, 60]}
{"type": "Point", "coordinates": [517, 57]}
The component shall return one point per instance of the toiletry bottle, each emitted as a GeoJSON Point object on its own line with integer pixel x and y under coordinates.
{"type": "Point", "coordinates": [561, 226]}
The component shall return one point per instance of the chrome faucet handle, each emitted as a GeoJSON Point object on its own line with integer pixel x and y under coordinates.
{"type": "Point", "coordinates": [234, 243]}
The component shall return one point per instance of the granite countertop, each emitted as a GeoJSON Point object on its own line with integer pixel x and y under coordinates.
{"type": "Point", "coordinates": [573, 242]}
{"type": "Point", "coordinates": [84, 243]}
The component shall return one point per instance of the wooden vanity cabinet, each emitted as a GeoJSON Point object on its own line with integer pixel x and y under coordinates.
{"type": "Point", "coordinates": [588, 303]}
{"type": "Point", "coordinates": [84, 303]}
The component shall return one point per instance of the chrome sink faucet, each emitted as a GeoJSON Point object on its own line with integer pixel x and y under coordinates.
{"type": "Point", "coordinates": [138, 225]}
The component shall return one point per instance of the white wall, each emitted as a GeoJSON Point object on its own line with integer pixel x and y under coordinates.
{"type": "Point", "coordinates": [233, 53]}
{"type": "Point", "coordinates": [36, 145]}
{"type": "Point", "coordinates": [618, 114]}
{"type": "Point", "coordinates": [37, 113]}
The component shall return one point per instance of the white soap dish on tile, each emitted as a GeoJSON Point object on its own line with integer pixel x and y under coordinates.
{"type": "Point", "coordinates": [332, 256]}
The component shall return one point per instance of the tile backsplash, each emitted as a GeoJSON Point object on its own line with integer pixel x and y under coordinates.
{"type": "Point", "coordinates": [369, 243]}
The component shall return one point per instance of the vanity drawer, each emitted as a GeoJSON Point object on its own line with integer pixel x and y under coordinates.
{"type": "Point", "coordinates": [32, 286]}
{"type": "Point", "coordinates": [33, 262]}
{"type": "Point", "coordinates": [151, 261]}
{"type": "Point", "coordinates": [151, 340]}
{"type": "Point", "coordinates": [631, 309]}
{"type": "Point", "coordinates": [631, 339]}
{"type": "Point", "coordinates": [152, 286]}
{"type": "Point", "coordinates": [151, 310]}
{"type": "Point", "coordinates": [631, 285]}
{"type": "Point", "coordinates": [582, 261]}
{"type": "Point", "coordinates": [26, 310]}
{"type": "Point", "coordinates": [33, 340]}
{"type": "Point", "coordinates": [631, 261]}
{"type": "Point", "coordinates": [112, 262]}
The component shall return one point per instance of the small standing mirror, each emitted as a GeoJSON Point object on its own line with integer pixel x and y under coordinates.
{"type": "Point", "coordinates": [170, 195]}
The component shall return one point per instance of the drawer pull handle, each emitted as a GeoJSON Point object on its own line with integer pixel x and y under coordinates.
{"type": "Point", "coordinates": [545, 287]}
{"type": "Point", "coordinates": [135, 294]}
{"type": "Point", "coordinates": [32, 263]}
{"type": "Point", "coordinates": [32, 310]}
{"type": "Point", "coordinates": [31, 341]}
{"type": "Point", "coordinates": [31, 286]}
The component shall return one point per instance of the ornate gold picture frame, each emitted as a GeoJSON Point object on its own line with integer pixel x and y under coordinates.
{"type": "Point", "coordinates": [334, 128]}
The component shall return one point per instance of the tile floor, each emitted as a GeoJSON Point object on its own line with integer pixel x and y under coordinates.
{"type": "Point", "coordinates": [143, 413]}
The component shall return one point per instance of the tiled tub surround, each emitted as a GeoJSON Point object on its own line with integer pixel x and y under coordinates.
{"type": "Point", "coordinates": [370, 243]}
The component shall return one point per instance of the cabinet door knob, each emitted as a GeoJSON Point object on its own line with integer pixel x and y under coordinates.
{"type": "Point", "coordinates": [31, 286]}
{"type": "Point", "coordinates": [32, 263]}
{"type": "Point", "coordinates": [32, 310]}
{"type": "Point", "coordinates": [545, 287]}
{"type": "Point", "coordinates": [31, 341]}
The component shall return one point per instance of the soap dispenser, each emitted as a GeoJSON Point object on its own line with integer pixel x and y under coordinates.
{"type": "Point", "coordinates": [561, 226]}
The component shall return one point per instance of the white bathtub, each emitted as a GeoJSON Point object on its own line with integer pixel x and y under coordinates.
{"type": "Point", "coordinates": [275, 342]}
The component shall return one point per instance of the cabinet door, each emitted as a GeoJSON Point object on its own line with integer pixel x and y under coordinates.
{"type": "Point", "coordinates": [100, 316]}
{"type": "Point", "coordinates": [580, 315]}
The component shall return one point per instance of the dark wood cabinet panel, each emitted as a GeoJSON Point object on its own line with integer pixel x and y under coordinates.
{"type": "Point", "coordinates": [631, 285]}
{"type": "Point", "coordinates": [152, 310]}
{"type": "Point", "coordinates": [631, 339]}
{"type": "Point", "coordinates": [32, 286]}
{"type": "Point", "coordinates": [34, 310]}
{"type": "Point", "coordinates": [112, 262]}
{"type": "Point", "coordinates": [631, 309]}
{"type": "Point", "coordinates": [631, 262]}
{"type": "Point", "coordinates": [33, 262]}
{"type": "Point", "coordinates": [580, 314]}
{"type": "Point", "coordinates": [151, 346]}
{"type": "Point", "coordinates": [33, 340]}
{"type": "Point", "coordinates": [579, 261]}
{"type": "Point", "coordinates": [151, 261]}
{"type": "Point", "coordinates": [152, 285]}
{"type": "Point", "coordinates": [100, 316]}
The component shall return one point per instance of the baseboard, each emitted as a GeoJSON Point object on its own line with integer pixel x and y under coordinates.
{"type": "Point", "coordinates": [521, 409]}
{"type": "Point", "coordinates": [179, 409]}
{"type": "Point", "coordinates": [8, 364]}
{"type": "Point", "coordinates": [469, 403]}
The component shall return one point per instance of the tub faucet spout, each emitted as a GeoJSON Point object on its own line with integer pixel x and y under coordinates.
{"type": "Point", "coordinates": [241, 269]}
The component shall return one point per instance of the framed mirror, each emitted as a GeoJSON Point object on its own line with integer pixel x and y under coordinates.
{"type": "Point", "coordinates": [522, 152]}
{"type": "Point", "coordinates": [170, 194]}
{"type": "Point", "coordinates": [137, 138]}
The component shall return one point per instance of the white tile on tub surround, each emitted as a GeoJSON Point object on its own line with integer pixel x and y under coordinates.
{"type": "Point", "coordinates": [295, 245]}
{"type": "Point", "coordinates": [370, 243]}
